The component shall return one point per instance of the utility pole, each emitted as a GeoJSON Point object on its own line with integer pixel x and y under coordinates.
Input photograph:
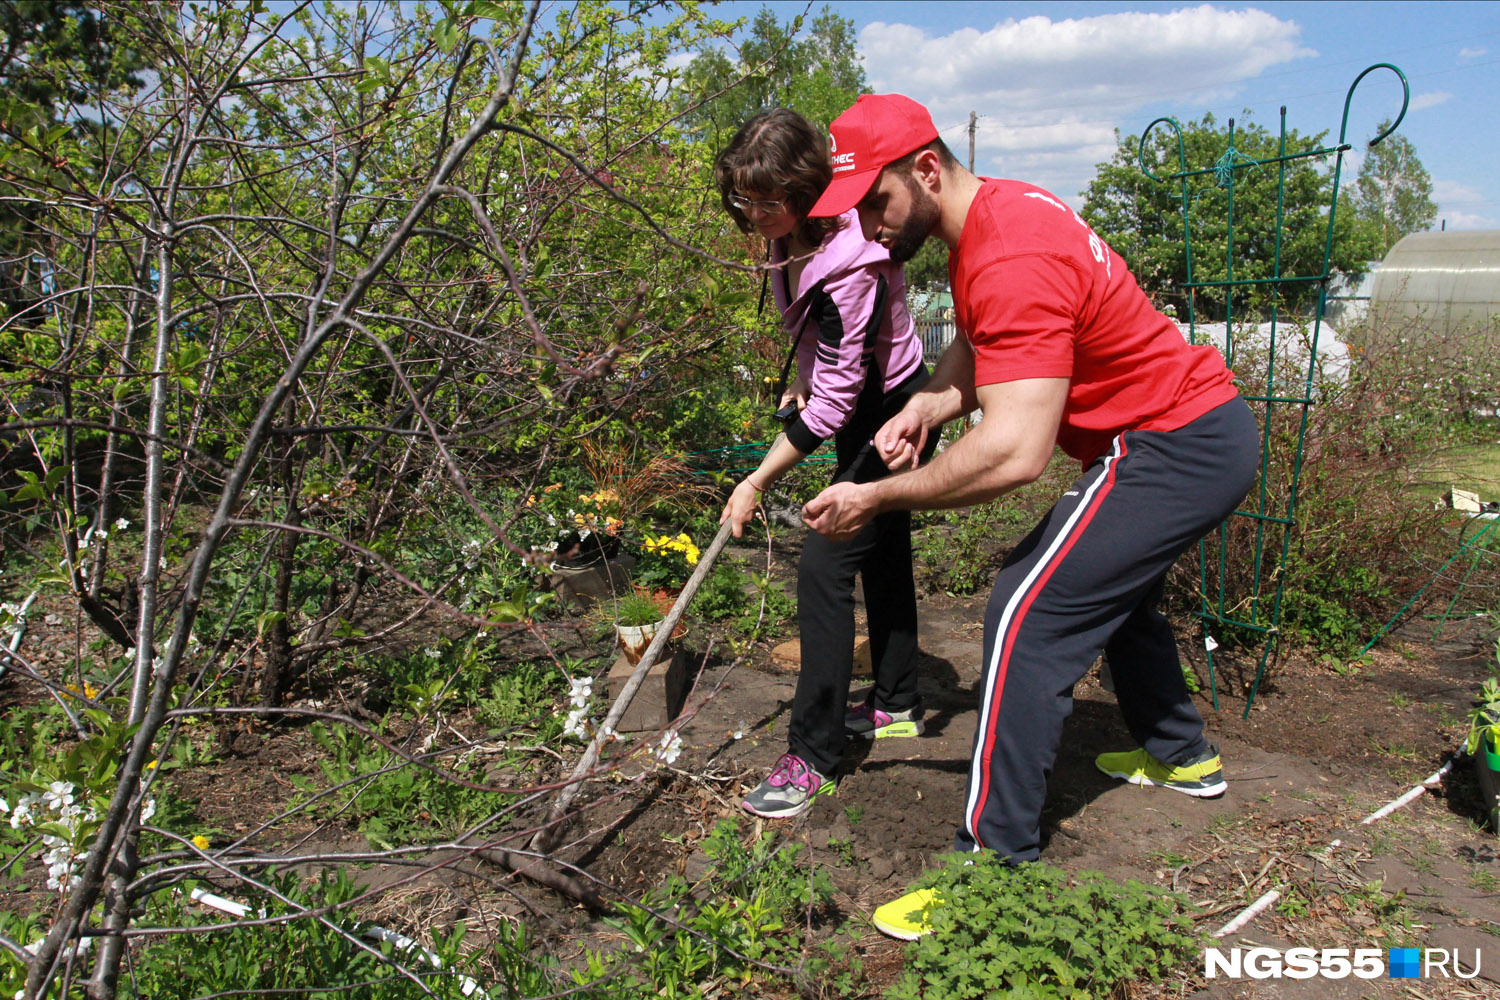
{"type": "Point", "coordinates": [972, 118]}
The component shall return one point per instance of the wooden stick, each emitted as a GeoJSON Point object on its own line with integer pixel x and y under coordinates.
{"type": "Point", "coordinates": [552, 828]}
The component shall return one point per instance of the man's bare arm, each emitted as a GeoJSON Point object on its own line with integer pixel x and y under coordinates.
{"type": "Point", "coordinates": [1009, 448]}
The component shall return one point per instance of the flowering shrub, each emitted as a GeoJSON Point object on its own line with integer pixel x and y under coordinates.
{"type": "Point", "coordinates": [666, 561]}
{"type": "Point", "coordinates": [49, 812]}
{"type": "Point", "coordinates": [568, 527]}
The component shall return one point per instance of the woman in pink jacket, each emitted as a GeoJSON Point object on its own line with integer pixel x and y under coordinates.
{"type": "Point", "coordinates": [843, 304]}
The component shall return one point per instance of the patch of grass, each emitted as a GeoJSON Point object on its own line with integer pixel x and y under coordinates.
{"type": "Point", "coordinates": [1481, 878]}
{"type": "Point", "coordinates": [1474, 467]}
{"type": "Point", "coordinates": [1397, 750]}
{"type": "Point", "coordinates": [1390, 911]}
{"type": "Point", "coordinates": [390, 799]}
{"type": "Point", "coordinates": [1399, 700]}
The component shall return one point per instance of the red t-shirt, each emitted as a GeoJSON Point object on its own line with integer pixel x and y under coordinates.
{"type": "Point", "coordinates": [1039, 295]}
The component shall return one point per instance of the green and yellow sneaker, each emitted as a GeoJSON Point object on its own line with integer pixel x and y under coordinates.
{"type": "Point", "coordinates": [909, 917]}
{"type": "Point", "coordinates": [1202, 778]}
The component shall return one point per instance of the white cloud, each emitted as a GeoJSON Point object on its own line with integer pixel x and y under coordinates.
{"type": "Point", "coordinates": [1458, 205]}
{"type": "Point", "coordinates": [1453, 191]}
{"type": "Point", "coordinates": [1466, 220]}
{"type": "Point", "coordinates": [1050, 93]}
{"type": "Point", "coordinates": [1431, 99]}
{"type": "Point", "coordinates": [1471, 52]}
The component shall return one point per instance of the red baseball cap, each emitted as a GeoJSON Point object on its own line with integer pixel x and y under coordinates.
{"type": "Point", "coordinates": [879, 129]}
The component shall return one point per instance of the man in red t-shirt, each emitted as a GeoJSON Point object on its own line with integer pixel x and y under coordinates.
{"type": "Point", "coordinates": [1059, 347]}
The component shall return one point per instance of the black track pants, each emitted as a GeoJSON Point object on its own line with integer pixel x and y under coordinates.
{"type": "Point", "coordinates": [1087, 580]}
{"type": "Point", "coordinates": [881, 555]}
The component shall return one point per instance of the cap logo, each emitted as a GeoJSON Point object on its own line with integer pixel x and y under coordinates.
{"type": "Point", "coordinates": [833, 143]}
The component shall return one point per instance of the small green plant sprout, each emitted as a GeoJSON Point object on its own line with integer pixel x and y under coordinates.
{"type": "Point", "coordinates": [634, 609]}
{"type": "Point", "coordinates": [1484, 721]}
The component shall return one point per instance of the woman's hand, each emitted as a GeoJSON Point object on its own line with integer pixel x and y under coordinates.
{"type": "Point", "coordinates": [743, 505]}
{"type": "Point", "coordinates": [796, 393]}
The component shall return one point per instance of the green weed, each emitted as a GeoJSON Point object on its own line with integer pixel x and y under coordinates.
{"type": "Point", "coordinates": [752, 890]}
{"type": "Point", "coordinates": [390, 799]}
{"type": "Point", "coordinates": [254, 959]}
{"type": "Point", "coordinates": [1036, 931]}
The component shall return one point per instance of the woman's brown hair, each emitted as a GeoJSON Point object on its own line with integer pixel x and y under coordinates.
{"type": "Point", "coordinates": [778, 149]}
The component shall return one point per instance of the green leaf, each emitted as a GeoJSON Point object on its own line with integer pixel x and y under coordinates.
{"type": "Point", "coordinates": [448, 34]}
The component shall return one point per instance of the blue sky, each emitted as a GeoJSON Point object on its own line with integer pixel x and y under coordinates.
{"type": "Point", "coordinates": [1051, 81]}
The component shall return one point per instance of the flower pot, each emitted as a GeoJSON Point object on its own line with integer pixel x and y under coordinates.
{"type": "Point", "coordinates": [634, 639]}
{"type": "Point", "coordinates": [1487, 766]}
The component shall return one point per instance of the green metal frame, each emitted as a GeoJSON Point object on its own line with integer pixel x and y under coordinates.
{"type": "Point", "coordinates": [1267, 513]}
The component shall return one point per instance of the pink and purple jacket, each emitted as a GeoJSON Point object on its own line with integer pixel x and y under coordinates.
{"type": "Point", "coordinates": [853, 299]}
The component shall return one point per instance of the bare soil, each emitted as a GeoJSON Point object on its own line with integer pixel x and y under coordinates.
{"type": "Point", "coordinates": [1319, 751]}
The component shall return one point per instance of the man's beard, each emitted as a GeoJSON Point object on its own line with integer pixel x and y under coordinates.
{"type": "Point", "coordinates": [919, 224]}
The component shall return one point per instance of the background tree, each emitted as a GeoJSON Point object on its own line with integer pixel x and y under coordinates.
{"type": "Point", "coordinates": [58, 61]}
{"type": "Point", "coordinates": [817, 72]}
{"type": "Point", "coordinates": [929, 268]}
{"type": "Point", "coordinates": [1142, 218]}
{"type": "Point", "coordinates": [359, 276]}
{"type": "Point", "coordinates": [1393, 192]}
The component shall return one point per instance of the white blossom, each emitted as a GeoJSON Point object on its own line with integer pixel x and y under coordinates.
{"type": "Point", "coordinates": [574, 724]}
{"type": "Point", "coordinates": [148, 809]}
{"type": "Point", "coordinates": [580, 691]}
{"type": "Point", "coordinates": [58, 795]}
{"type": "Point", "coordinates": [432, 653]}
{"type": "Point", "coordinates": [21, 815]}
{"type": "Point", "coordinates": [121, 524]}
{"type": "Point", "coordinates": [670, 748]}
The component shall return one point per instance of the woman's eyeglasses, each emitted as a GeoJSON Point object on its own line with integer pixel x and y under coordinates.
{"type": "Point", "coordinates": [763, 207]}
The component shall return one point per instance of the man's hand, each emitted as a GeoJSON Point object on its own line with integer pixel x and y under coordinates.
{"type": "Point", "coordinates": [901, 440]}
{"type": "Point", "coordinates": [839, 512]}
{"type": "Point", "coordinates": [743, 505]}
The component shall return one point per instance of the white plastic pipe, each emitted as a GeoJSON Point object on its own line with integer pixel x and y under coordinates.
{"type": "Point", "coordinates": [1413, 793]}
{"type": "Point", "coordinates": [1249, 913]}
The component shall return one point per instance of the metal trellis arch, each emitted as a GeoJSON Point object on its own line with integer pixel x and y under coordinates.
{"type": "Point", "coordinates": [1273, 503]}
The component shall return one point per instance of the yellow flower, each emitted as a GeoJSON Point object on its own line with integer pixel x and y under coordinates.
{"type": "Point", "coordinates": [151, 765]}
{"type": "Point", "coordinates": [613, 525]}
{"type": "Point", "coordinates": [200, 842]}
